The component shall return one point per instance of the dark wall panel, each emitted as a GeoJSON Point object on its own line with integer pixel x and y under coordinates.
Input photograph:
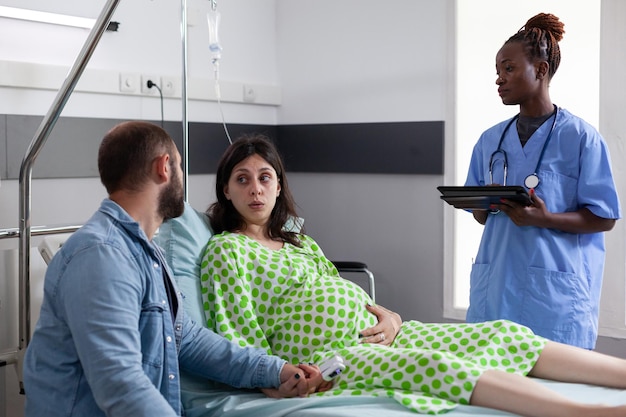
{"type": "Point", "coordinates": [3, 146]}
{"type": "Point", "coordinates": [72, 147]}
{"type": "Point", "coordinates": [377, 148]}
{"type": "Point", "coordinates": [70, 151]}
{"type": "Point", "coordinates": [208, 141]}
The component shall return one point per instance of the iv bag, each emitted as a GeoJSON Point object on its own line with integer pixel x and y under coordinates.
{"type": "Point", "coordinates": [213, 18]}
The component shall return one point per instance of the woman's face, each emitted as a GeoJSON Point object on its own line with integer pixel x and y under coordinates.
{"type": "Point", "coordinates": [253, 188]}
{"type": "Point", "coordinates": [519, 80]}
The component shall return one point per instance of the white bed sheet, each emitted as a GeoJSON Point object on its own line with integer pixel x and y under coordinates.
{"type": "Point", "coordinates": [202, 399]}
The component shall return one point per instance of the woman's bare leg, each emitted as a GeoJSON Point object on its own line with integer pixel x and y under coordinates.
{"type": "Point", "coordinates": [520, 395]}
{"type": "Point", "coordinates": [566, 363]}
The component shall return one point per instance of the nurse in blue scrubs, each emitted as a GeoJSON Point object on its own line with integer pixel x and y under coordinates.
{"type": "Point", "coordinates": [542, 265]}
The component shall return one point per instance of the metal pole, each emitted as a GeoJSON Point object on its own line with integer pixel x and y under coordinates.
{"type": "Point", "coordinates": [37, 143]}
{"type": "Point", "coordinates": [185, 146]}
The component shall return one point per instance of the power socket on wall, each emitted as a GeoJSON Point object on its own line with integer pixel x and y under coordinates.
{"type": "Point", "coordinates": [144, 83]}
{"type": "Point", "coordinates": [249, 93]}
{"type": "Point", "coordinates": [135, 83]}
{"type": "Point", "coordinates": [129, 82]}
{"type": "Point", "coordinates": [169, 86]}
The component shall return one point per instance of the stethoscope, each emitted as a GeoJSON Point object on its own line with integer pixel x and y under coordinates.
{"type": "Point", "coordinates": [532, 180]}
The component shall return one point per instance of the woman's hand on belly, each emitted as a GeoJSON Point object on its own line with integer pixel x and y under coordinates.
{"type": "Point", "coordinates": [387, 328]}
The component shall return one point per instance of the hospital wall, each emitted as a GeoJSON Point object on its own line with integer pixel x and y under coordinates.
{"type": "Point", "coordinates": [335, 62]}
{"type": "Point", "coordinates": [355, 62]}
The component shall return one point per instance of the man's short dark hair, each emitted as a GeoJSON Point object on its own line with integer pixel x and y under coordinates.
{"type": "Point", "coordinates": [127, 152]}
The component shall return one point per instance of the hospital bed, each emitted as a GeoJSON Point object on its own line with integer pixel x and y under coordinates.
{"type": "Point", "coordinates": [183, 240]}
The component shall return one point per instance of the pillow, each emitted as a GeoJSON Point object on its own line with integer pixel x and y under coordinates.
{"type": "Point", "coordinates": [183, 239]}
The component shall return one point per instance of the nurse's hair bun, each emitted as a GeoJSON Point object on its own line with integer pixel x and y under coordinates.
{"type": "Point", "coordinates": [540, 37]}
{"type": "Point", "coordinates": [546, 22]}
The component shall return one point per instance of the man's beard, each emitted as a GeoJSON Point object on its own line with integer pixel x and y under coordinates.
{"type": "Point", "coordinates": [172, 199]}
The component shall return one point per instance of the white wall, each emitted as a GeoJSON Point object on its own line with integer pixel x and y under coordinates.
{"type": "Point", "coordinates": [366, 61]}
{"type": "Point", "coordinates": [612, 127]}
{"type": "Point", "coordinates": [148, 41]}
{"type": "Point", "coordinates": [362, 61]}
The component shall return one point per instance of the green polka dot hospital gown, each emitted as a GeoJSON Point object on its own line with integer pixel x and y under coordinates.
{"type": "Point", "coordinates": [293, 303]}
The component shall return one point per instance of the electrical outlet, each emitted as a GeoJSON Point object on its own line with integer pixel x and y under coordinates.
{"type": "Point", "coordinates": [144, 84]}
{"type": "Point", "coordinates": [169, 86]}
{"type": "Point", "coordinates": [249, 93]}
{"type": "Point", "coordinates": [129, 82]}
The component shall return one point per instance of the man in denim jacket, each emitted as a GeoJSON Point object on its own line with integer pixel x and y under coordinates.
{"type": "Point", "coordinates": [112, 336]}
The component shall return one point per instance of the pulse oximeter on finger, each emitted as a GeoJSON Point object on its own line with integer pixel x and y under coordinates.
{"type": "Point", "coordinates": [332, 367]}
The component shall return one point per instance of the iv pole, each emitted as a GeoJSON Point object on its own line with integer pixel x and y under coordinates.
{"type": "Point", "coordinates": [185, 146]}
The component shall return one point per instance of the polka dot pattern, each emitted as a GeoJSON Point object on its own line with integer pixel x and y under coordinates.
{"type": "Point", "coordinates": [293, 303]}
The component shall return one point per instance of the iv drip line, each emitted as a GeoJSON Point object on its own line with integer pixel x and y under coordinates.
{"type": "Point", "coordinates": [213, 19]}
{"type": "Point", "coordinates": [219, 102]}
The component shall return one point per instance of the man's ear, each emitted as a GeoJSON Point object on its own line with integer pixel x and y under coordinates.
{"type": "Point", "coordinates": [161, 168]}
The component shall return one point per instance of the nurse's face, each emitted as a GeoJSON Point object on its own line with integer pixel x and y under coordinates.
{"type": "Point", "coordinates": [253, 188]}
{"type": "Point", "coordinates": [518, 81]}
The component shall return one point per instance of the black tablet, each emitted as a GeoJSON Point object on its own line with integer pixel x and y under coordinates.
{"type": "Point", "coordinates": [482, 197]}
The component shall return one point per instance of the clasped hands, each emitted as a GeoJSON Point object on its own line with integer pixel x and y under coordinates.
{"type": "Point", "coordinates": [298, 381]}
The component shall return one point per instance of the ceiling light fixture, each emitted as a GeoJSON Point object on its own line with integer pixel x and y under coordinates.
{"type": "Point", "coordinates": [45, 17]}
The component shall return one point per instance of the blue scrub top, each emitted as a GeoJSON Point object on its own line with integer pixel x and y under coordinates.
{"type": "Point", "coordinates": [546, 279]}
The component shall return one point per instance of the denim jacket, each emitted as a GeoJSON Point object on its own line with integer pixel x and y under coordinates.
{"type": "Point", "coordinates": [106, 342]}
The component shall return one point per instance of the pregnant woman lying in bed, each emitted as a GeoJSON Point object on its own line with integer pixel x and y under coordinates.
{"type": "Point", "coordinates": [267, 287]}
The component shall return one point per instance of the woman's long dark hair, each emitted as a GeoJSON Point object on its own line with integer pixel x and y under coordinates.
{"type": "Point", "coordinates": [222, 213]}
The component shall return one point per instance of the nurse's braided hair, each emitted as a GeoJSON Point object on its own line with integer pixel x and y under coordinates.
{"type": "Point", "coordinates": [540, 37]}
